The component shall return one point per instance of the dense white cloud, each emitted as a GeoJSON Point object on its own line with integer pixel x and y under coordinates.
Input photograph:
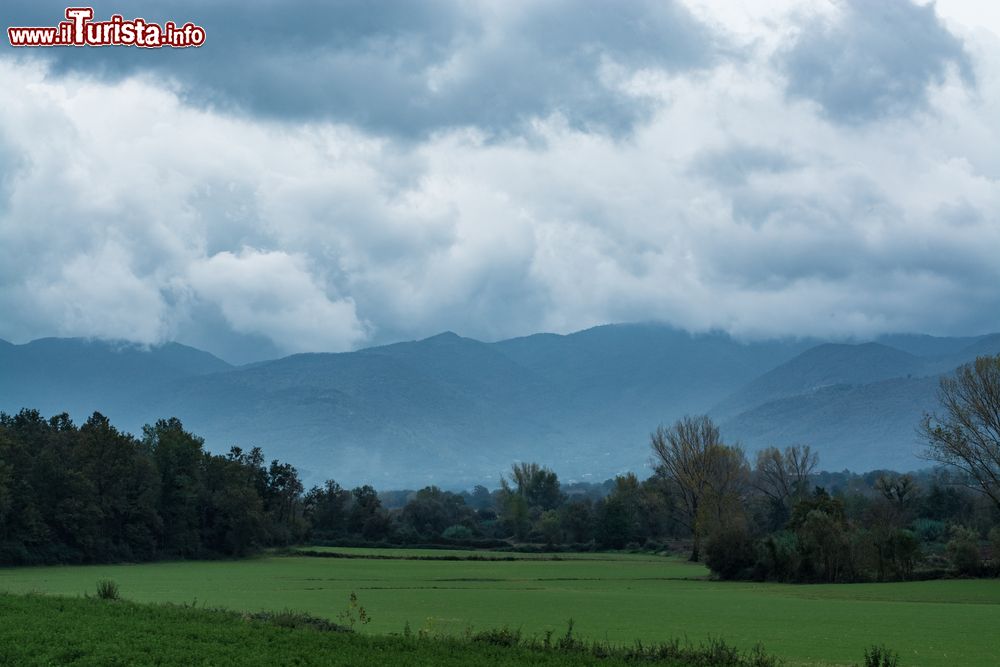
{"type": "Point", "coordinates": [130, 209]}
{"type": "Point", "coordinates": [274, 294]}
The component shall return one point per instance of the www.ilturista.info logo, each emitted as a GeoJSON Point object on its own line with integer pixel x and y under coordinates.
{"type": "Point", "coordinates": [79, 29]}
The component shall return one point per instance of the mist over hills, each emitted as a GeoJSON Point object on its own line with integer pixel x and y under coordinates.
{"type": "Point", "coordinates": [456, 411]}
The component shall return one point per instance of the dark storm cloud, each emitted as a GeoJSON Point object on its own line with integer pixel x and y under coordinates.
{"type": "Point", "coordinates": [404, 68]}
{"type": "Point", "coordinates": [875, 60]}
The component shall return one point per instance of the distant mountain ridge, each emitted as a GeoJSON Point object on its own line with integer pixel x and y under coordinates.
{"type": "Point", "coordinates": [823, 366]}
{"type": "Point", "coordinates": [453, 410]}
{"type": "Point", "coordinates": [80, 376]}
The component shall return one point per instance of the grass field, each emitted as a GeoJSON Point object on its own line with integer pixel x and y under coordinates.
{"type": "Point", "coordinates": [49, 630]}
{"type": "Point", "coordinates": [619, 598]}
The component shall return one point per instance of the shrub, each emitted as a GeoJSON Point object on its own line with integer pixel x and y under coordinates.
{"type": "Point", "coordinates": [498, 637]}
{"type": "Point", "coordinates": [963, 551]}
{"type": "Point", "coordinates": [880, 656]}
{"type": "Point", "coordinates": [729, 552]}
{"type": "Point", "coordinates": [294, 620]}
{"type": "Point", "coordinates": [779, 557]}
{"type": "Point", "coordinates": [354, 614]}
{"type": "Point", "coordinates": [929, 530]}
{"type": "Point", "coordinates": [107, 590]}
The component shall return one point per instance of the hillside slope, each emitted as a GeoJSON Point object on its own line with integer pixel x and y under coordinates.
{"type": "Point", "coordinates": [824, 366]}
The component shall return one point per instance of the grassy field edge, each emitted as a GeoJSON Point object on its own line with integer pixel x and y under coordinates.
{"type": "Point", "coordinates": [55, 630]}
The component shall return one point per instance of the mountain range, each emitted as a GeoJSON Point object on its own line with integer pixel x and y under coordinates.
{"type": "Point", "coordinates": [455, 411]}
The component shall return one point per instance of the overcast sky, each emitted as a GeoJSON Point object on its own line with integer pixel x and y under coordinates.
{"type": "Point", "coordinates": [326, 176]}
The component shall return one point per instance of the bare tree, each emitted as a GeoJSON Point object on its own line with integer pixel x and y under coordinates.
{"type": "Point", "coordinates": [709, 476]}
{"type": "Point", "coordinates": [967, 436]}
{"type": "Point", "coordinates": [784, 476]}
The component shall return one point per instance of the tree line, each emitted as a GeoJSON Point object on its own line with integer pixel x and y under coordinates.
{"type": "Point", "coordinates": [93, 493]}
{"type": "Point", "coordinates": [775, 521]}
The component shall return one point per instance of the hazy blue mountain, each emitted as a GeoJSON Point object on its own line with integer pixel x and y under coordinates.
{"type": "Point", "coordinates": [858, 427]}
{"type": "Point", "coordinates": [452, 410]}
{"type": "Point", "coordinates": [823, 366]}
{"type": "Point", "coordinates": [922, 345]}
{"type": "Point", "coordinates": [858, 405]}
{"type": "Point", "coordinates": [646, 369]}
{"type": "Point", "coordinates": [984, 345]}
{"type": "Point", "coordinates": [427, 411]}
{"type": "Point", "coordinates": [80, 375]}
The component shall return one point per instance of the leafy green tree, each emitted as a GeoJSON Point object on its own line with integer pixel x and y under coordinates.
{"type": "Point", "coordinates": [480, 498]}
{"type": "Point", "coordinates": [432, 511]}
{"type": "Point", "coordinates": [367, 517]}
{"type": "Point", "coordinates": [538, 485]}
{"type": "Point", "coordinates": [234, 522]}
{"type": "Point", "coordinates": [327, 508]}
{"type": "Point", "coordinates": [283, 501]}
{"type": "Point", "coordinates": [614, 526]}
{"type": "Point", "coordinates": [516, 515]}
{"type": "Point", "coordinates": [577, 520]}
{"type": "Point", "coordinates": [550, 528]}
{"type": "Point", "coordinates": [178, 456]}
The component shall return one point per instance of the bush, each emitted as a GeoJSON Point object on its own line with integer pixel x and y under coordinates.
{"type": "Point", "coordinates": [929, 530]}
{"type": "Point", "coordinates": [880, 656]}
{"type": "Point", "coordinates": [963, 551]}
{"type": "Point", "coordinates": [497, 637]}
{"type": "Point", "coordinates": [294, 619]}
{"type": "Point", "coordinates": [107, 590]}
{"type": "Point", "coordinates": [779, 557]}
{"type": "Point", "coordinates": [729, 552]}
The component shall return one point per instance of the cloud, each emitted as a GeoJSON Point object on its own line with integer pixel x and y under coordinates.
{"type": "Point", "coordinates": [873, 60]}
{"type": "Point", "coordinates": [405, 69]}
{"type": "Point", "coordinates": [98, 295]}
{"type": "Point", "coordinates": [132, 210]}
{"type": "Point", "coordinates": [275, 294]}
{"type": "Point", "coordinates": [736, 164]}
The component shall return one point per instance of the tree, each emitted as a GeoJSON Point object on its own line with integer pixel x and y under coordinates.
{"type": "Point", "coordinates": [367, 517]}
{"type": "Point", "coordinates": [539, 486]}
{"type": "Point", "coordinates": [709, 476]}
{"type": "Point", "coordinates": [179, 457]}
{"type": "Point", "coordinates": [887, 515]}
{"type": "Point", "coordinates": [432, 511]}
{"type": "Point", "coordinates": [327, 508]}
{"type": "Point", "coordinates": [577, 518]}
{"type": "Point", "coordinates": [967, 436]}
{"type": "Point", "coordinates": [784, 476]}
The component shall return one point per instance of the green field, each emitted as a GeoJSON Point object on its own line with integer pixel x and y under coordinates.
{"type": "Point", "coordinates": [88, 632]}
{"type": "Point", "coordinates": [619, 598]}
